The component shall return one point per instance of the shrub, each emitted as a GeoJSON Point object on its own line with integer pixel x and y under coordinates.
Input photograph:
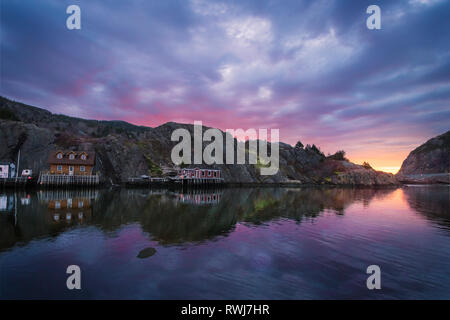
{"type": "Point", "coordinates": [183, 165]}
{"type": "Point", "coordinates": [153, 168]}
{"type": "Point", "coordinates": [339, 155]}
{"type": "Point", "coordinates": [260, 165]}
{"type": "Point", "coordinates": [8, 114]}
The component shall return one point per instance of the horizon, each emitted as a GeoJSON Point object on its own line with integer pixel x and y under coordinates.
{"type": "Point", "coordinates": [310, 69]}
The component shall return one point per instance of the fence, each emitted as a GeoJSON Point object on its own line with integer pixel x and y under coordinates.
{"type": "Point", "coordinates": [46, 179]}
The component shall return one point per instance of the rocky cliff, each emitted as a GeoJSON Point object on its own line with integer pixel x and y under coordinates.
{"type": "Point", "coordinates": [124, 150]}
{"type": "Point", "coordinates": [428, 163]}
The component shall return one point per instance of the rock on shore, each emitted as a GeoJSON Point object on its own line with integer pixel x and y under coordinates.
{"type": "Point", "coordinates": [428, 163]}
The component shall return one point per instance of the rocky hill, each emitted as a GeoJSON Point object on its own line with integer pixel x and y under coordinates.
{"type": "Point", "coordinates": [124, 150]}
{"type": "Point", "coordinates": [428, 163]}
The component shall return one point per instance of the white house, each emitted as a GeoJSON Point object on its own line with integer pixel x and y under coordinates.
{"type": "Point", "coordinates": [7, 170]}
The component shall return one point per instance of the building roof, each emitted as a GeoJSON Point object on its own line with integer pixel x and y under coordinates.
{"type": "Point", "coordinates": [90, 157]}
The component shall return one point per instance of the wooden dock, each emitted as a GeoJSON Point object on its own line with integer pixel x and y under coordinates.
{"type": "Point", "coordinates": [175, 181]}
{"type": "Point", "coordinates": [199, 182]}
{"type": "Point", "coordinates": [141, 182]}
{"type": "Point", "coordinates": [16, 182]}
{"type": "Point", "coordinates": [46, 179]}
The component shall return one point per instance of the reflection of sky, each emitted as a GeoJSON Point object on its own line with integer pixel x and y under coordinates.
{"type": "Point", "coordinates": [322, 257]}
{"type": "Point", "coordinates": [310, 68]}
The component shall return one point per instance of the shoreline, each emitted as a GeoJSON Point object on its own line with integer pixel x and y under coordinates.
{"type": "Point", "coordinates": [36, 187]}
{"type": "Point", "coordinates": [33, 185]}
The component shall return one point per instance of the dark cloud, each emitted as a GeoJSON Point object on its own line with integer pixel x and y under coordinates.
{"type": "Point", "coordinates": [311, 68]}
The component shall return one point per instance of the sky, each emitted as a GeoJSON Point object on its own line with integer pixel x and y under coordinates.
{"type": "Point", "coordinates": [311, 69]}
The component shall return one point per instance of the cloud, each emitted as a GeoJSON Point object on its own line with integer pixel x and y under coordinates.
{"type": "Point", "coordinates": [310, 68]}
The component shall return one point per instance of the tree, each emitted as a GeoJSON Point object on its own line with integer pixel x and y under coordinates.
{"type": "Point", "coordinates": [299, 145]}
{"type": "Point", "coordinates": [314, 149]}
{"type": "Point", "coordinates": [339, 155]}
{"type": "Point", "coordinates": [366, 165]}
{"type": "Point", "coordinates": [317, 150]}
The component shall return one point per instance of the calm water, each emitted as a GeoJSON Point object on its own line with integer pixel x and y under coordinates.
{"type": "Point", "coordinates": [231, 244]}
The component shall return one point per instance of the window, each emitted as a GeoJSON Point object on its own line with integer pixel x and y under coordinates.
{"type": "Point", "coordinates": [80, 204]}
{"type": "Point", "coordinates": [83, 157]}
{"type": "Point", "coordinates": [59, 168]}
{"type": "Point", "coordinates": [59, 155]}
{"type": "Point", "coordinates": [57, 205]}
{"type": "Point", "coordinates": [71, 156]}
{"type": "Point", "coordinates": [82, 168]}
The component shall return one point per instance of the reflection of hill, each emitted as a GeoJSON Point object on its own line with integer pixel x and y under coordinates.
{"type": "Point", "coordinates": [46, 213]}
{"type": "Point", "coordinates": [432, 201]}
{"type": "Point", "coordinates": [7, 230]}
{"type": "Point", "coordinates": [169, 220]}
{"type": "Point", "coordinates": [297, 204]}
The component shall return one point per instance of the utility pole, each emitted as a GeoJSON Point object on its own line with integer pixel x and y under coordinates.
{"type": "Point", "coordinates": [15, 208]}
{"type": "Point", "coordinates": [18, 165]}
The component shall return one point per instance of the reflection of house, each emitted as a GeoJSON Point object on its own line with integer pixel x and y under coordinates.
{"type": "Point", "coordinates": [71, 162]}
{"type": "Point", "coordinates": [6, 203]}
{"type": "Point", "coordinates": [46, 195]}
{"type": "Point", "coordinates": [199, 173]}
{"type": "Point", "coordinates": [199, 198]}
{"type": "Point", "coordinates": [25, 201]}
{"type": "Point", "coordinates": [76, 203]}
{"type": "Point", "coordinates": [70, 209]}
{"type": "Point", "coordinates": [68, 205]}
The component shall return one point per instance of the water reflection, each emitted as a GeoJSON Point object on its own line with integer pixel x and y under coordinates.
{"type": "Point", "coordinates": [68, 207]}
{"type": "Point", "coordinates": [176, 217]}
{"type": "Point", "coordinates": [234, 243]}
{"type": "Point", "coordinates": [433, 202]}
{"type": "Point", "coordinates": [199, 196]}
{"type": "Point", "coordinates": [43, 213]}
{"type": "Point", "coordinates": [6, 202]}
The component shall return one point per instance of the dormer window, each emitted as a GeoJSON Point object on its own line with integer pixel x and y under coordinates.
{"type": "Point", "coordinates": [71, 156]}
{"type": "Point", "coordinates": [83, 157]}
{"type": "Point", "coordinates": [59, 156]}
